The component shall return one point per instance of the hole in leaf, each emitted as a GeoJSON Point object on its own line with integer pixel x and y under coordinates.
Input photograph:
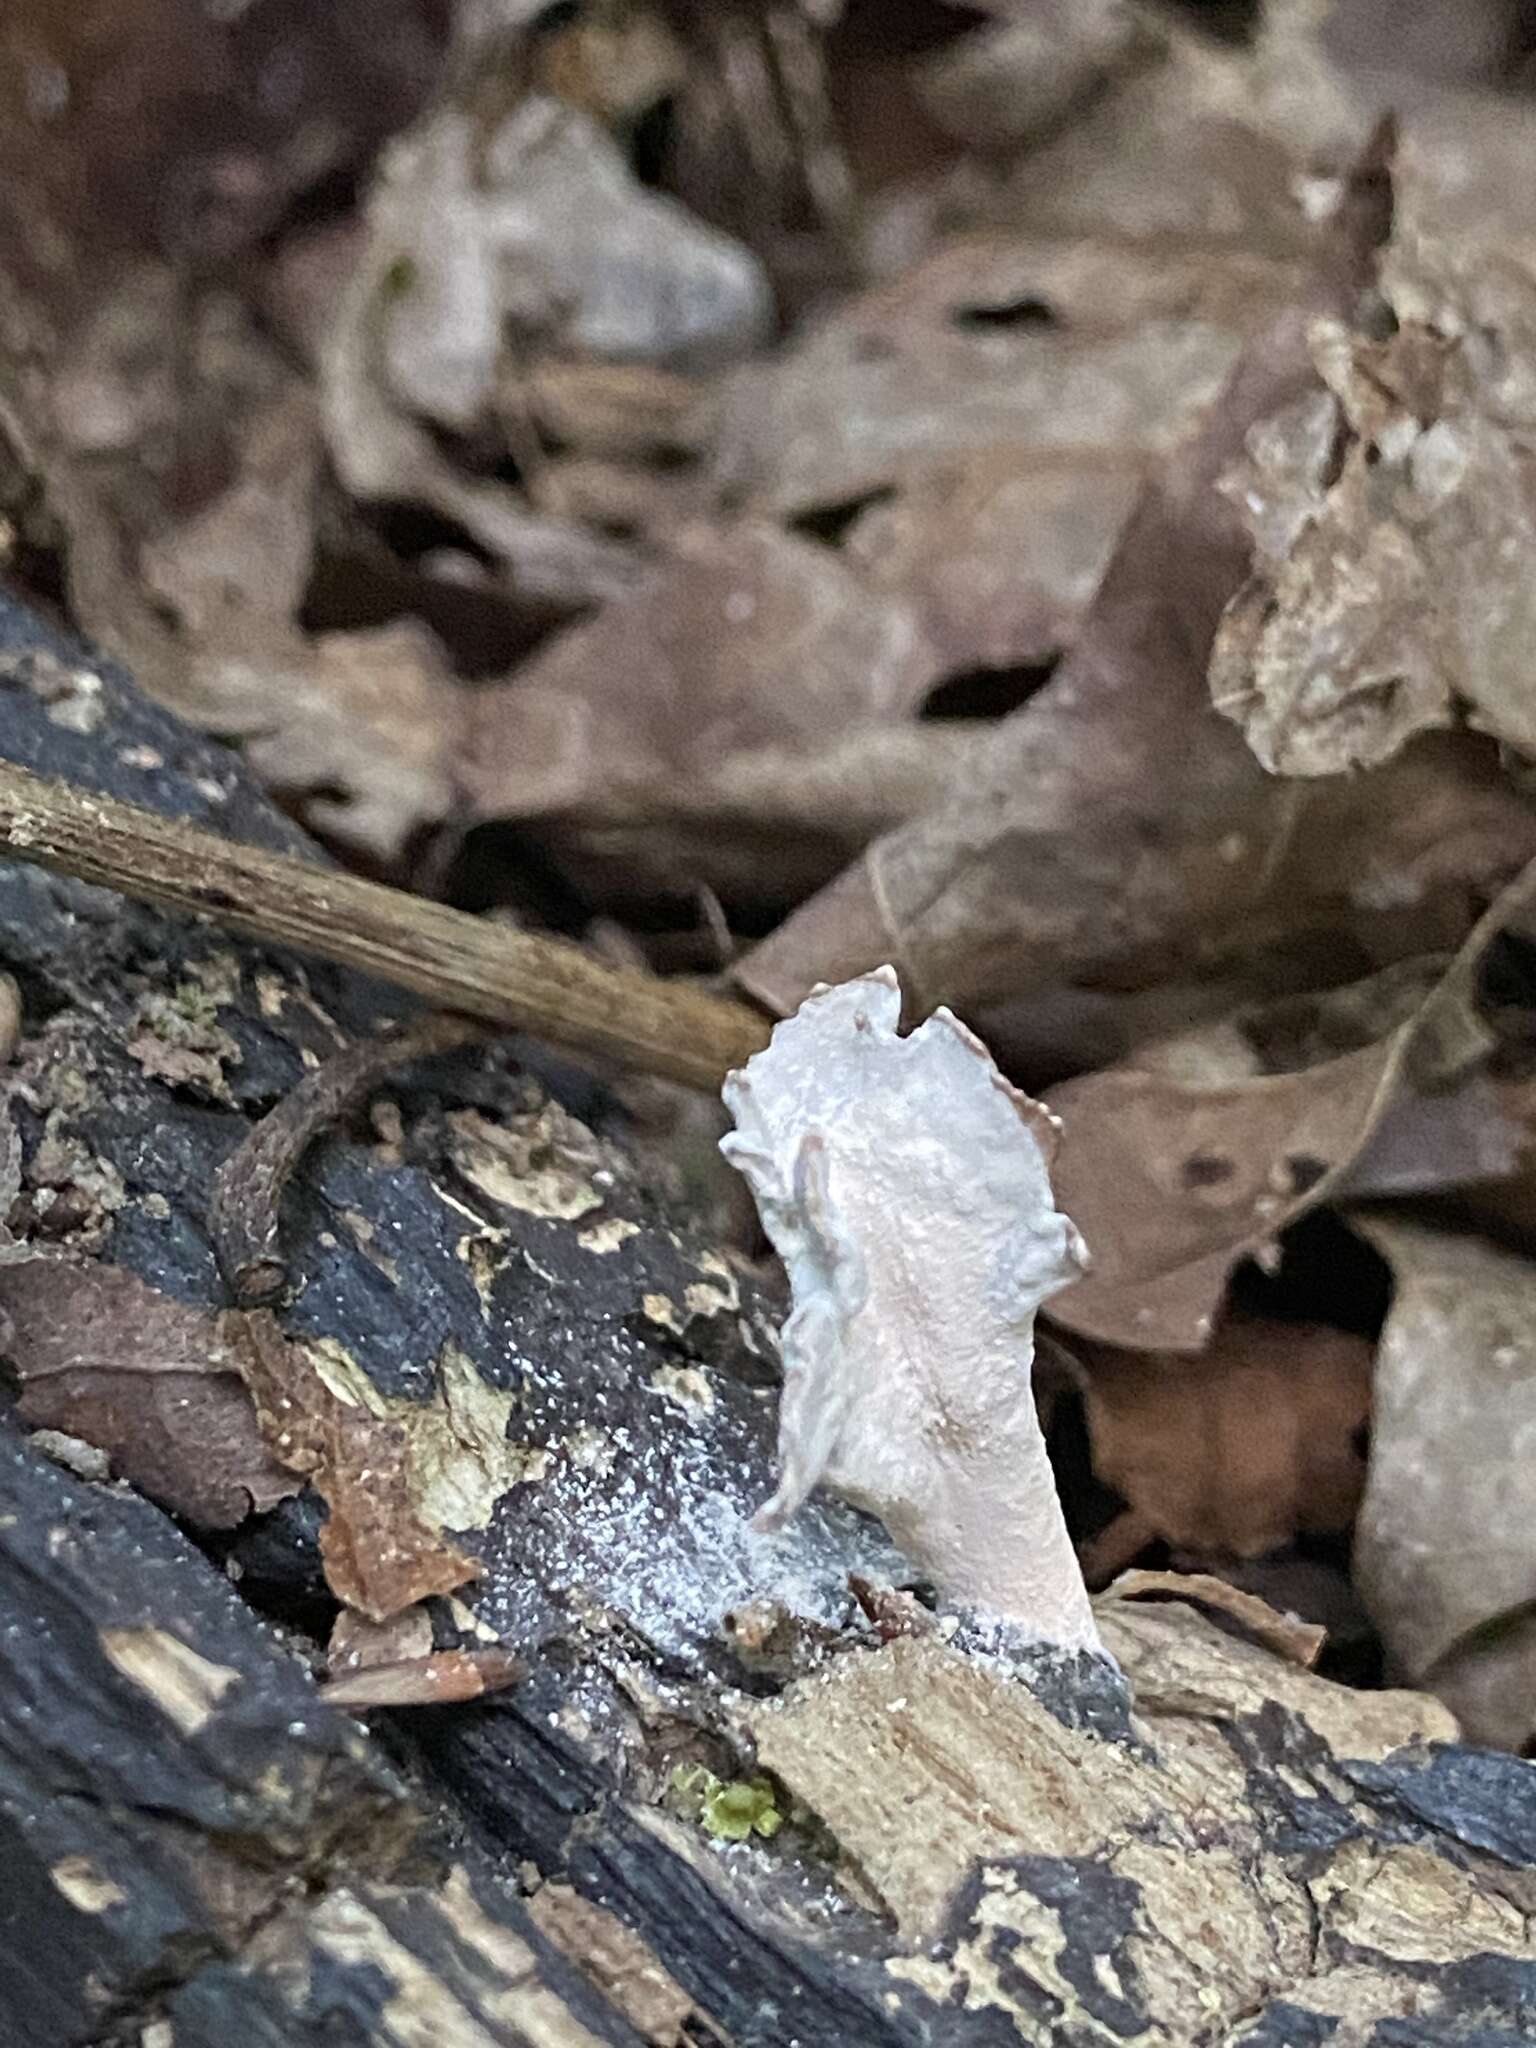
{"type": "Point", "coordinates": [482, 629]}
{"type": "Point", "coordinates": [891, 29]}
{"type": "Point", "coordinates": [1028, 311]}
{"type": "Point", "coordinates": [411, 531]}
{"type": "Point", "coordinates": [986, 692]}
{"type": "Point", "coordinates": [39, 573]}
{"type": "Point", "coordinates": [558, 15]}
{"type": "Point", "coordinates": [332, 197]}
{"type": "Point", "coordinates": [1205, 1170]}
{"type": "Point", "coordinates": [1305, 1172]}
{"type": "Point", "coordinates": [1088, 1504]}
{"type": "Point", "coordinates": [650, 142]}
{"type": "Point", "coordinates": [1226, 21]}
{"type": "Point", "coordinates": [1506, 977]}
{"type": "Point", "coordinates": [497, 865]}
{"type": "Point", "coordinates": [830, 523]}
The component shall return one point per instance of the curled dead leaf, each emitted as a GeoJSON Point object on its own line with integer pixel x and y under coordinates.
{"type": "Point", "coordinates": [1001, 552]}
{"type": "Point", "coordinates": [1392, 516]}
{"type": "Point", "coordinates": [484, 243]}
{"type": "Point", "coordinates": [1117, 832]}
{"type": "Point", "coordinates": [993, 340]}
{"type": "Point", "coordinates": [1174, 1180]}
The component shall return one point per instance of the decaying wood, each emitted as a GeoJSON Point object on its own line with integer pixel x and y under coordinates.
{"type": "Point", "coordinates": [520, 980]}
{"type": "Point", "coordinates": [195, 1826]}
{"type": "Point", "coordinates": [945, 1840]}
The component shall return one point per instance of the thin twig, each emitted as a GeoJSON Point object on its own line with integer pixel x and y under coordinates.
{"type": "Point", "coordinates": [517, 980]}
{"type": "Point", "coordinates": [244, 1210]}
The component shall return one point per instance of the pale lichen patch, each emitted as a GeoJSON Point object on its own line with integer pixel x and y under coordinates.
{"type": "Point", "coordinates": [720, 1289]}
{"type": "Point", "coordinates": [483, 1253]}
{"type": "Point", "coordinates": [605, 1237]}
{"type": "Point", "coordinates": [271, 995]}
{"type": "Point", "coordinates": [87, 1889]}
{"type": "Point", "coordinates": [685, 1386]}
{"type": "Point", "coordinates": [177, 1037]}
{"type": "Point", "coordinates": [662, 1310]}
{"type": "Point", "coordinates": [542, 1163]}
{"type": "Point", "coordinates": [701, 1298]}
{"type": "Point", "coordinates": [366, 1237]}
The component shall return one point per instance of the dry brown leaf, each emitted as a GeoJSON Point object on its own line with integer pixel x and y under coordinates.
{"type": "Point", "coordinates": [1176, 1182]}
{"type": "Point", "coordinates": [149, 124]}
{"type": "Point", "coordinates": [1216, 142]}
{"type": "Point", "coordinates": [363, 735]}
{"type": "Point", "coordinates": [1175, 1173]}
{"type": "Point", "coordinates": [1445, 1550]}
{"type": "Point", "coordinates": [1241, 139]}
{"type": "Point", "coordinates": [622, 411]}
{"type": "Point", "coordinates": [752, 657]}
{"type": "Point", "coordinates": [534, 227]}
{"type": "Point", "coordinates": [149, 1380]}
{"type": "Point", "coordinates": [1015, 80]}
{"type": "Point", "coordinates": [356, 728]}
{"type": "Point", "coordinates": [1235, 1452]}
{"type": "Point", "coordinates": [1048, 346]}
{"type": "Point", "coordinates": [1392, 518]}
{"type": "Point", "coordinates": [175, 449]}
{"type": "Point", "coordinates": [1114, 834]}
{"type": "Point", "coordinates": [1001, 552]}
{"type": "Point", "coordinates": [1420, 39]}
{"type": "Point", "coordinates": [379, 1551]}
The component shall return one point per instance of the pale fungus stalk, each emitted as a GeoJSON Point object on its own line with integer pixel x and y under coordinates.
{"type": "Point", "coordinates": [905, 1184]}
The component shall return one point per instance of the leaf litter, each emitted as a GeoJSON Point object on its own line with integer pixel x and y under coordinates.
{"type": "Point", "coordinates": [1047, 504]}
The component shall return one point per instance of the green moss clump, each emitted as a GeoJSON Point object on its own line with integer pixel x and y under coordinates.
{"type": "Point", "coordinates": [731, 1811]}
